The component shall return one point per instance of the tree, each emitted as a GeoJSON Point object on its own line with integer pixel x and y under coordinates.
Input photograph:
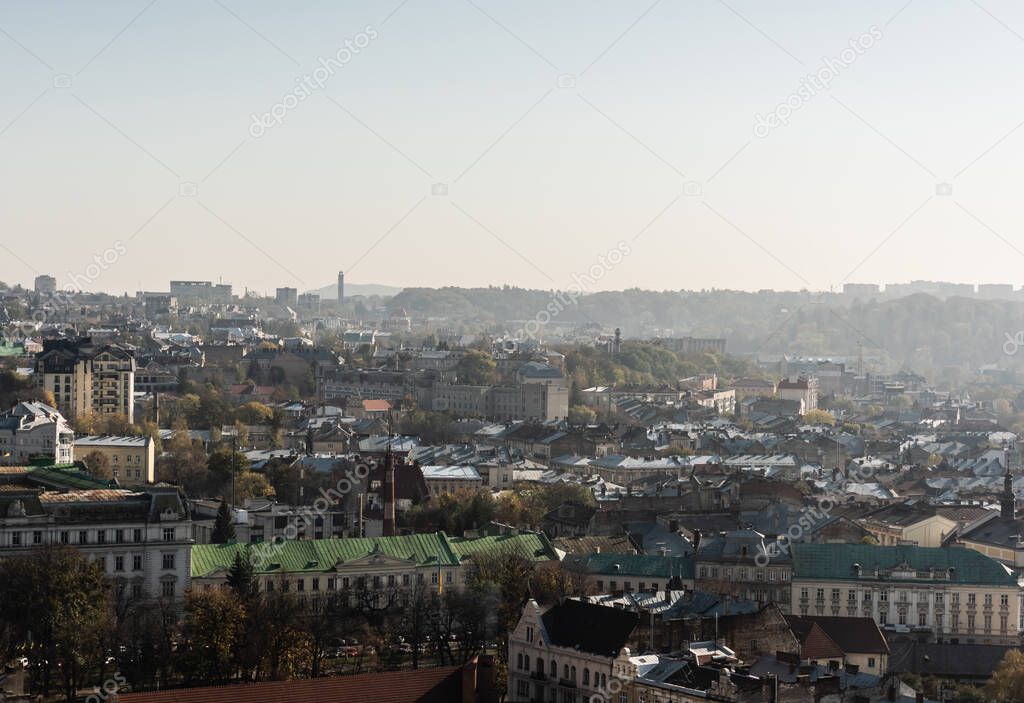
{"type": "Point", "coordinates": [250, 484]}
{"type": "Point", "coordinates": [254, 413]}
{"type": "Point", "coordinates": [211, 630]}
{"type": "Point", "coordinates": [581, 415]}
{"type": "Point", "coordinates": [1007, 683]}
{"type": "Point", "coordinates": [819, 417]}
{"type": "Point", "coordinates": [222, 465]}
{"type": "Point", "coordinates": [98, 464]}
{"type": "Point", "coordinates": [60, 605]}
{"type": "Point", "coordinates": [224, 526]}
{"type": "Point", "coordinates": [477, 368]}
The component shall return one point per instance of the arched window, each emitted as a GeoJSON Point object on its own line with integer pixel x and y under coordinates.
{"type": "Point", "coordinates": [572, 674]}
{"type": "Point", "coordinates": [554, 668]}
{"type": "Point", "coordinates": [586, 676]}
{"type": "Point", "coordinates": [519, 660]}
{"type": "Point", "coordinates": [540, 665]}
{"type": "Point", "coordinates": [565, 671]}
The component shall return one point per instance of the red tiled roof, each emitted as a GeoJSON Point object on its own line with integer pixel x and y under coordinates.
{"type": "Point", "coordinates": [440, 685]}
{"type": "Point", "coordinates": [372, 406]}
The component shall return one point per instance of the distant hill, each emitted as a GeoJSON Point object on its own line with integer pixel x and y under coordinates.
{"type": "Point", "coordinates": [330, 292]}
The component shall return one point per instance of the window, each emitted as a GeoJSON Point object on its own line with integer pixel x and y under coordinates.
{"type": "Point", "coordinates": [988, 599]}
{"type": "Point", "coordinates": [586, 676]}
{"type": "Point", "coordinates": [391, 579]}
{"type": "Point", "coordinates": [344, 583]}
{"type": "Point", "coordinates": [315, 583]}
{"type": "Point", "coordinates": [883, 596]}
{"type": "Point", "coordinates": [168, 534]}
{"type": "Point", "coordinates": [922, 619]}
{"type": "Point", "coordinates": [136, 590]}
{"type": "Point", "coordinates": [37, 537]}
{"type": "Point", "coordinates": [803, 594]}
{"type": "Point", "coordinates": [300, 584]}
{"type": "Point", "coordinates": [871, 662]}
{"type": "Point", "coordinates": [529, 634]}
{"type": "Point", "coordinates": [939, 598]}
{"type": "Point", "coordinates": [16, 539]}
{"type": "Point", "coordinates": [971, 599]}
{"type": "Point", "coordinates": [101, 536]}
{"type": "Point", "coordinates": [1003, 623]}
{"type": "Point", "coordinates": [136, 535]}
{"type": "Point", "coordinates": [405, 579]}
{"type": "Point", "coordinates": [64, 537]}
{"type": "Point", "coordinates": [851, 596]}
{"type": "Point", "coordinates": [137, 562]}
{"type": "Point", "coordinates": [119, 536]}
{"type": "Point", "coordinates": [554, 668]}
{"type": "Point", "coordinates": [167, 589]}
{"type": "Point", "coordinates": [820, 594]}
{"type": "Point", "coordinates": [168, 561]}
{"type": "Point", "coordinates": [1004, 600]}
{"type": "Point", "coordinates": [118, 563]}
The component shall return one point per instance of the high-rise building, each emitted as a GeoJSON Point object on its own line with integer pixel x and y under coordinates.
{"type": "Point", "coordinates": [341, 286]}
{"type": "Point", "coordinates": [46, 284]}
{"type": "Point", "coordinates": [287, 296]}
{"type": "Point", "coordinates": [86, 377]}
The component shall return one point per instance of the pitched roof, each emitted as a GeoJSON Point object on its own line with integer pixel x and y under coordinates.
{"type": "Point", "coordinates": [591, 628]}
{"type": "Point", "coordinates": [835, 562]}
{"type": "Point", "coordinates": [535, 546]}
{"type": "Point", "coordinates": [648, 565]}
{"type": "Point", "coordinates": [849, 635]}
{"type": "Point", "coordinates": [440, 685]}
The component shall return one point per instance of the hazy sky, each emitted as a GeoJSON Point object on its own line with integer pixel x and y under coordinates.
{"type": "Point", "coordinates": [559, 129]}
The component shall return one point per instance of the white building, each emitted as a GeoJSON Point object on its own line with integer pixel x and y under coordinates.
{"type": "Point", "coordinates": [143, 539]}
{"type": "Point", "coordinates": [34, 430]}
{"type": "Point", "coordinates": [571, 651]}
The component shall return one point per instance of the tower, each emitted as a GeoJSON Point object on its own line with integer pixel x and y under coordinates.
{"type": "Point", "coordinates": [1007, 502]}
{"type": "Point", "coordinates": [389, 493]}
{"type": "Point", "coordinates": [341, 287]}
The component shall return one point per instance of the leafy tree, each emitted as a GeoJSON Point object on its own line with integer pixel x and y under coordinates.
{"type": "Point", "coordinates": [183, 462]}
{"type": "Point", "coordinates": [477, 368]}
{"type": "Point", "coordinates": [211, 630]}
{"type": "Point", "coordinates": [819, 417]}
{"type": "Point", "coordinates": [581, 415]}
{"type": "Point", "coordinates": [250, 484]}
{"type": "Point", "coordinates": [1007, 683]}
{"type": "Point", "coordinates": [222, 465]}
{"type": "Point", "coordinates": [60, 605]}
{"type": "Point", "coordinates": [98, 464]}
{"type": "Point", "coordinates": [223, 526]}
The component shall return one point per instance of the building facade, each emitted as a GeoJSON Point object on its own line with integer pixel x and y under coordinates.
{"type": "Point", "coordinates": [132, 460]}
{"type": "Point", "coordinates": [142, 539]}
{"type": "Point", "coordinates": [33, 430]}
{"type": "Point", "coordinates": [85, 377]}
{"type": "Point", "coordinates": [952, 595]}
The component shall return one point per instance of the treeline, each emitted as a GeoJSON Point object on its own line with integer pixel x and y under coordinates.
{"type": "Point", "coordinates": [77, 630]}
{"type": "Point", "coordinates": [919, 331]}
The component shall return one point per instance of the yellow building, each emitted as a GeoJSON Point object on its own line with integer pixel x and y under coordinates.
{"type": "Point", "coordinates": [132, 460]}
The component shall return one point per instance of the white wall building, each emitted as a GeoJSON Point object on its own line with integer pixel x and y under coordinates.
{"type": "Point", "coordinates": [32, 430]}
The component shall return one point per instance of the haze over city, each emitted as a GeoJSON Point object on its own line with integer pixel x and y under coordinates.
{"type": "Point", "coordinates": [557, 132]}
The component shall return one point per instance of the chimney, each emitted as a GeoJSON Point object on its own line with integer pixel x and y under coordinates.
{"type": "Point", "coordinates": [389, 493]}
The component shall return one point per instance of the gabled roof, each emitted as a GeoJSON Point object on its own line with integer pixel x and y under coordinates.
{"type": "Point", "coordinates": [848, 635]}
{"type": "Point", "coordinates": [590, 628]}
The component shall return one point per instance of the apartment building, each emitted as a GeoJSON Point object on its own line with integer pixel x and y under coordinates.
{"type": "Point", "coordinates": [573, 651]}
{"type": "Point", "coordinates": [33, 430]}
{"type": "Point", "coordinates": [955, 595]}
{"type": "Point", "coordinates": [132, 460]}
{"type": "Point", "coordinates": [802, 388]}
{"type": "Point", "coordinates": [141, 538]}
{"type": "Point", "coordinates": [86, 377]}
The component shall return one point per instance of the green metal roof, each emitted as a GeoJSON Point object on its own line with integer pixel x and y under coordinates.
{"type": "Point", "coordinates": [533, 546]}
{"type": "Point", "coordinates": [647, 565]}
{"type": "Point", "coordinates": [835, 561]}
{"type": "Point", "coordinates": [67, 478]}
{"type": "Point", "coordinates": [321, 555]}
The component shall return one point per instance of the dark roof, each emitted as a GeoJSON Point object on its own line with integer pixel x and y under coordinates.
{"type": "Point", "coordinates": [851, 635]}
{"type": "Point", "coordinates": [997, 531]}
{"type": "Point", "coordinates": [592, 628]}
{"type": "Point", "coordinates": [441, 685]}
{"type": "Point", "coordinates": [949, 660]}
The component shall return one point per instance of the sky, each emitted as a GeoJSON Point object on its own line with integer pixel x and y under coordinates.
{"type": "Point", "coordinates": [676, 144]}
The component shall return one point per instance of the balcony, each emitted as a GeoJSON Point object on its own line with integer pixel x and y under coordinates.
{"type": "Point", "coordinates": [538, 676]}
{"type": "Point", "coordinates": [566, 683]}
